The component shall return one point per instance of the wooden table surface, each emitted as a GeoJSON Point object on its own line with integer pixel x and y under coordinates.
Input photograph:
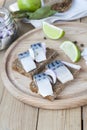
{"type": "Point", "coordinates": [15, 115]}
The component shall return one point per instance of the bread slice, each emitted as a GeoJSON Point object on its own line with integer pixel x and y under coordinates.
{"type": "Point", "coordinates": [17, 66]}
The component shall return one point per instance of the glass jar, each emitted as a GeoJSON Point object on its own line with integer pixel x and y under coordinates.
{"type": "Point", "coordinates": [8, 29]}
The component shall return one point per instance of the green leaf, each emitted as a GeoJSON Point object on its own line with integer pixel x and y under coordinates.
{"type": "Point", "coordinates": [40, 13]}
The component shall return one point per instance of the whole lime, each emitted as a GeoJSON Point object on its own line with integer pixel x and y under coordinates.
{"type": "Point", "coordinates": [29, 5]}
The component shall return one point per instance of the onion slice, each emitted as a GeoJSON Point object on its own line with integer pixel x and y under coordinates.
{"type": "Point", "coordinates": [49, 72]}
{"type": "Point", "coordinates": [74, 66]}
{"type": "Point", "coordinates": [84, 55]}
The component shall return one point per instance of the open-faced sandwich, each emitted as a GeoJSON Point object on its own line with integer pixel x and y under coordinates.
{"type": "Point", "coordinates": [34, 60]}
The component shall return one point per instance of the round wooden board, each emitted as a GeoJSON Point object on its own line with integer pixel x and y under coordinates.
{"type": "Point", "coordinates": [75, 93]}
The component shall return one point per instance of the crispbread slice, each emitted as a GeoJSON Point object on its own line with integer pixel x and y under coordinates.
{"type": "Point", "coordinates": [17, 66]}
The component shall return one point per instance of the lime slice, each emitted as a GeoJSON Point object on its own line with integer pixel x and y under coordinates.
{"type": "Point", "coordinates": [52, 31]}
{"type": "Point", "coordinates": [71, 50]}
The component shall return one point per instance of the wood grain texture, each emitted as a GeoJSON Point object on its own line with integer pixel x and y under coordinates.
{"type": "Point", "coordinates": [59, 119]}
{"type": "Point", "coordinates": [15, 115]}
{"type": "Point", "coordinates": [84, 116]}
{"type": "Point", "coordinates": [1, 84]}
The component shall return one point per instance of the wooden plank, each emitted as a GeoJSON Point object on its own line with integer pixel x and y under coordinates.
{"type": "Point", "coordinates": [1, 84]}
{"type": "Point", "coordinates": [10, 113]}
{"type": "Point", "coordinates": [59, 120]}
{"type": "Point", "coordinates": [14, 115]}
{"type": "Point", "coordinates": [29, 118]}
{"type": "Point", "coordinates": [84, 115]}
{"type": "Point", "coordinates": [84, 109]}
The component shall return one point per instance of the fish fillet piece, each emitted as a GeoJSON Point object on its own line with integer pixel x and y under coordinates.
{"type": "Point", "coordinates": [39, 52]}
{"type": "Point", "coordinates": [62, 72]}
{"type": "Point", "coordinates": [50, 55]}
{"type": "Point", "coordinates": [26, 61]}
{"type": "Point", "coordinates": [43, 83]}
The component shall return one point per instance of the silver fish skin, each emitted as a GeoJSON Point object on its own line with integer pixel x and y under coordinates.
{"type": "Point", "coordinates": [39, 52]}
{"type": "Point", "coordinates": [63, 74]}
{"type": "Point", "coordinates": [43, 83]}
{"type": "Point", "coordinates": [26, 61]}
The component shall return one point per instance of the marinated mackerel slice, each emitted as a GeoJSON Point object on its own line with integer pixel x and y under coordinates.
{"type": "Point", "coordinates": [38, 52]}
{"type": "Point", "coordinates": [59, 87]}
{"type": "Point", "coordinates": [44, 85]}
{"type": "Point", "coordinates": [62, 73]}
{"type": "Point", "coordinates": [50, 54]}
{"type": "Point", "coordinates": [26, 61]}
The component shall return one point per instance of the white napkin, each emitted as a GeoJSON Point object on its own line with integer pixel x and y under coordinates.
{"type": "Point", "coordinates": [77, 10]}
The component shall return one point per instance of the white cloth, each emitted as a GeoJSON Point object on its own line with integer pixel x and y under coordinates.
{"type": "Point", "coordinates": [77, 10]}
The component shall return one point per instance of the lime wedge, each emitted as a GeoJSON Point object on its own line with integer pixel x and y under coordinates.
{"type": "Point", "coordinates": [52, 31]}
{"type": "Point", "coordinates": [71, 50]}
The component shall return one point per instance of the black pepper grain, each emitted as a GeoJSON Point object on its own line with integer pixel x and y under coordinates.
{"type": "Point", "coordinates": [82, 45]}
{"type": "Point", "coordinates": [45, 38]}
{"type": "Point", "coordinates": [75, 42]}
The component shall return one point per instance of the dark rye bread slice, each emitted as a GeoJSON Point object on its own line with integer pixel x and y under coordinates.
{"type": "Point", "coordinates": [17, 66]}
{"type": "Point", "coordinates": [58, 87]}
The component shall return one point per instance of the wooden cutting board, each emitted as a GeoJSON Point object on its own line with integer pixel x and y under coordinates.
{"type": "Point", "coordinates": [74, 94]}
